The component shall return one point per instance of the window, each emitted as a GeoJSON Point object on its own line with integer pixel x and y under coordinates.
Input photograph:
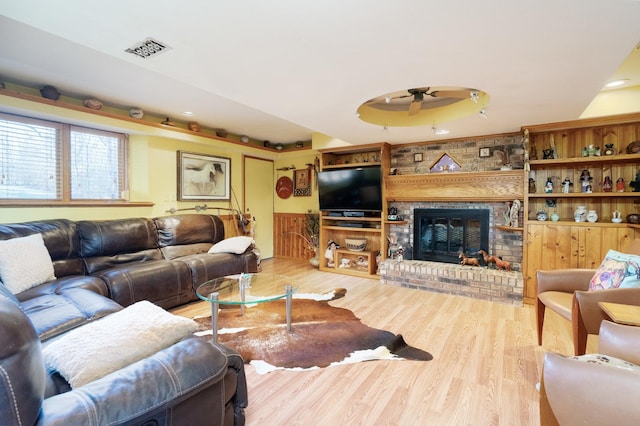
{"type": "Point", "coordinates": [42, 160]}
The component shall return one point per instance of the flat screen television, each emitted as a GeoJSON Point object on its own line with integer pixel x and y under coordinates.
{"type": "Point", "coordinates": [350, 189]}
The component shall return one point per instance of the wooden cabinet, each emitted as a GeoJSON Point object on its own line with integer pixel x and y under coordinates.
{"type": "Point", "coordinates": [555, 245]}
{"type": "Point", "coordinates": [565, 243]}
{"type": "Point", "coordinates": [371, 226]}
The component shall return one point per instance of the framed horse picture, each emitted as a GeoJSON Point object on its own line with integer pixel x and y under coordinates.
{"type": "Point", "coordinates": [203, 177]}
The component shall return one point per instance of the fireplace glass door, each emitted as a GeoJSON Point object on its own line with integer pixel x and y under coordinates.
{"type": "Point", "coordinates": [440, 235]}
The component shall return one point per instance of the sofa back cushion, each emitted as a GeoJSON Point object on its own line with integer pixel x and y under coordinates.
{"type": "Point", "coordinates": [60, 238]}
{"type": "Point", "coordinates": [187, 234]}
{"type": "Point", "coordinates": [111, 243]}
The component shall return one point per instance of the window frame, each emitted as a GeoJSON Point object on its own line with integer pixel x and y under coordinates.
{"type": "Point", "coordinates": [63, 197]}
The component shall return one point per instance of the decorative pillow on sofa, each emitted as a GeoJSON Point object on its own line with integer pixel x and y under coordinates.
{"type": "Point", "coordinates": [617, 270]}
{"type": "Point", "coordinates": [24, 263]}
{"type": "Point", "coordinates": [236, 245]}
{"type": "Point", "coordinates": [96, 349]}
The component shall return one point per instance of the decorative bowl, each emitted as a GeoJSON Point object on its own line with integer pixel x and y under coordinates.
{"type": "Point", "coordinates": [355, 244]}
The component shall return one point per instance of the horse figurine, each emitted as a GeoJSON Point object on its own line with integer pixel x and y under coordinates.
{"type": "Point", "coordinates": [472, 261]}
{"type": "Point", "coordinates": [487, 259]}
{"type": "Point", "coordinates": [502, 264]}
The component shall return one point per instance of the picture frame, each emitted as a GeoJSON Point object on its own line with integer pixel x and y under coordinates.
{"type": "Point", "coordinates": [417, 157]}
{"type": "Point", "coordinates": [203, 177]}
{"type": "Point", "coordinates": [485, 152]}
{"type": "Point", "coordinates": [302, 183]}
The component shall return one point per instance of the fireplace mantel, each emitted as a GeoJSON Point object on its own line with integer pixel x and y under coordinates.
{"type": "Point", "coordinates": [470, 186]}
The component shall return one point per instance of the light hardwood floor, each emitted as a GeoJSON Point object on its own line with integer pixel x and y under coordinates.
{"type": "Point", "coordinates": [485, 368]}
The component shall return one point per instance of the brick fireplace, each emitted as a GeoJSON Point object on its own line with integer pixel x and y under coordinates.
{"type": "Point", "coordinates": [484, 283]}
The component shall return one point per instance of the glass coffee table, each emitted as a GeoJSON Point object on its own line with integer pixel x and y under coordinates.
{"type": "Point", "coordinates": [246, 289]}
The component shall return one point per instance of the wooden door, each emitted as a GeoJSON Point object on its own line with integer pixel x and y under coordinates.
{"type": "Point", "coordinates": [258, 201]}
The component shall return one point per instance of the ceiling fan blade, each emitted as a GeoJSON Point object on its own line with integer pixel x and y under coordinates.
{"type": "Point", "coordinates": [461, 94]}
{"type": "Point", "coordinates": [415, 107]}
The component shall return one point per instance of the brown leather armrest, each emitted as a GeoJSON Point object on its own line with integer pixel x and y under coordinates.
{"type": "Point", "coordinates": [591, 313]}
{"type": "Point", "coordinates": [620, 341]}
{"type": "Point", "coordinates": [579, 392]}
{"type": "Point", "coordinates": [565, 280]}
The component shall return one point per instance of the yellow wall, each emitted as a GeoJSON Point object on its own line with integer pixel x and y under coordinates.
{"type": "Point", "coordinates": [296, 204]}
{"type": "Point", "coordinates": [153, 167]}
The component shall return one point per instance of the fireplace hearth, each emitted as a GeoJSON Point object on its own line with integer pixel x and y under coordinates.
{"type": "Point", "coordinates": [440, 235]}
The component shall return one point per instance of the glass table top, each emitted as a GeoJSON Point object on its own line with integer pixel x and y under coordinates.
{"type": "Point", "coordinates": [258, 288]}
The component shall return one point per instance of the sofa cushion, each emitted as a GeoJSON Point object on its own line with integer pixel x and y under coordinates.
{"type": "Point", "coordinates": [116, 341]}
{"type": "Point", "coordinates": [60, 237]}
{"type": "Point", "coordinates": [617, 270]}
{"type": "Point", "coordinates": [57, 312]}
{"type": "Point", "coordinates": [25, 263]}
{"type": "Point", "coordinates": [235, 245]}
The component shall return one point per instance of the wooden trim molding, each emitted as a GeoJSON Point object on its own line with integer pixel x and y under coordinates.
{"type": "Point", "coordinates": [472, 186]}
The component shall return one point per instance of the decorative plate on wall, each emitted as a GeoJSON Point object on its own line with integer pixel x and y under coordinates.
{"type": "Point", "coordinates": [284, 187]}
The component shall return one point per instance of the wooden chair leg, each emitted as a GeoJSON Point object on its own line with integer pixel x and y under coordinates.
{"type": "Point", "coordinates": [578, 330]}
{"type": "Point", "coordinates": [540, 309]}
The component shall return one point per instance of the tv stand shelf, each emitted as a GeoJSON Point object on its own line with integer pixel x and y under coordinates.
{"type": "Point", "coordinates": [371, 225]}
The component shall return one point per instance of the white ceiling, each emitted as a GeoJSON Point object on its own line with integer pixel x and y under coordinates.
{"type": "Point", "coordinates": [281, 69]}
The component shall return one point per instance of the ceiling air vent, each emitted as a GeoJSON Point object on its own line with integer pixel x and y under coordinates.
{"type": "Point", "coordinates": [148, 48]}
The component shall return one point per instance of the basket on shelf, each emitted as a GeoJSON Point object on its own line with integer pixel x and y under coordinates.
{"type": "Point", "coordinates": [355, 244]}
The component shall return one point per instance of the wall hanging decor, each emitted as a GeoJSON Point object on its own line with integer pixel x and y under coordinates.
{"type": "Point", "coordinates": [302, 183]}
{"type": "Point", "coordinates": [203, 177]}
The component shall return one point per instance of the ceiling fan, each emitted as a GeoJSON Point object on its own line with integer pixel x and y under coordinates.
{"type": "Point", "coordinates": [419, 94]}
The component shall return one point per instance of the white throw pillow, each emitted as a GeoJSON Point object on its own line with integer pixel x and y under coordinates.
{"type": "Point", "coordinates": [94, 350]}
{"type": "Point", "coordinates": [236, 245]}
{"type": "Point", "coordinates": [24, 263]}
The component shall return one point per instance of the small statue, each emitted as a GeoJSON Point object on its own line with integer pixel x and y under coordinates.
{"type": "Point", "coordinates": [514, 212]}
{"type": "Point", "coordinates": [547, 154]}
{"type": "Point", "coordinates": [532, 186]}
{"type": "Point", "coordinates": [566, 184]}
{"type": "Point", "coordinates": [635, 184]}
{"type": "Point", "coordinates": [328, 253]}
{"type": "Point", "coordinates": [548, 187]}
{"type": "Point", "coordinates": [585, 180]}
{"type": "Point", "coordinates": [607, 185]}
{"type": "Point", "coordinates": [620, 185]}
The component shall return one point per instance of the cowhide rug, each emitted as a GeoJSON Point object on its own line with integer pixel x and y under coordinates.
{"type": "Point", "coordinates": [322, 335]}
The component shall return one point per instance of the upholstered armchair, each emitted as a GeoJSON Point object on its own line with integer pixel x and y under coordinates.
{"type": "Point", "coordinates": [566, 292]}
{"type": "Point", "coordinates": [598, 390]}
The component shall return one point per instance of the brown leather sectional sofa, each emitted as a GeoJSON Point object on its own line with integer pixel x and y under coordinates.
{"type": "Point", "coordinates": [101, 267]}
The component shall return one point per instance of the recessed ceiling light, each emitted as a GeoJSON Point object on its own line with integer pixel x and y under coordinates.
{"type": "Point", "coordinates": [616, 83]}
{"type": "Point", "coordinates": [187, 113]}
{"type": "Point", "coordinates": [441, 131]}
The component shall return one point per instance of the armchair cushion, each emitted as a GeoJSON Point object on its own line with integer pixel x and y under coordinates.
{"type": "Point", "coordinates": [24, 263]}
{"type": "Point", "coordinates": [96, 349]}
{"type": "Point", "coordinates": [617, 270]}
{"type": "Point", "coordinates": [602, 359]}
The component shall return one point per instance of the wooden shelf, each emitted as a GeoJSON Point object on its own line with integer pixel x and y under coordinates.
{"type": "Point", "coordinates": [509, 228]}
{"type": "Point", "coordinates": [584, 161]}
{"type": "Point", "coordinates": [350, 165]}
{"type": "Point", "coordinates": [583, 194]}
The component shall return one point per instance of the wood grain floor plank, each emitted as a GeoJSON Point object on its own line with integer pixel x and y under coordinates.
{"type": "Point", "coordinates": [485, 368]}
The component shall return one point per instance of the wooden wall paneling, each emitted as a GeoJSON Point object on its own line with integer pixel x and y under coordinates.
{"type": "Point", "coordinates": [286, 242]}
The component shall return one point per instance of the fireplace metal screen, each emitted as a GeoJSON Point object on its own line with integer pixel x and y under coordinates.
{"type": "Point", "coordinates": [440, 235]}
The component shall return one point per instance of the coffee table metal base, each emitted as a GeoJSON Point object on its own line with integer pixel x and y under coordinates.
{"type": "Point", "coordinates": [213, 297]}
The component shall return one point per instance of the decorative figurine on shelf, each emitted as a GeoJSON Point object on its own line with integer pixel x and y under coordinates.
{"type": "Point", "coordinates": [585, 180]}
{"type": "Point", "coordinates": [514, 212]}
{"type": "Point", "coordinates": [635, 184]}
{"type": "Point", "coordinates": [620, 185]}
{"type": "Point", "coordinates": [609, 149]}
{"type": "Point", "coordinates": [547, 154]}
{"type": "Point", "coordinates": [328, 253]}
{"type": "Point", "coordinates": [566, 184]}
{"type": "Point", "coordinates": [532, 186]}
{"type": "Point", "coordinates": [548, 187]}
{"type": "Point", "coordinates": [607, 185]}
